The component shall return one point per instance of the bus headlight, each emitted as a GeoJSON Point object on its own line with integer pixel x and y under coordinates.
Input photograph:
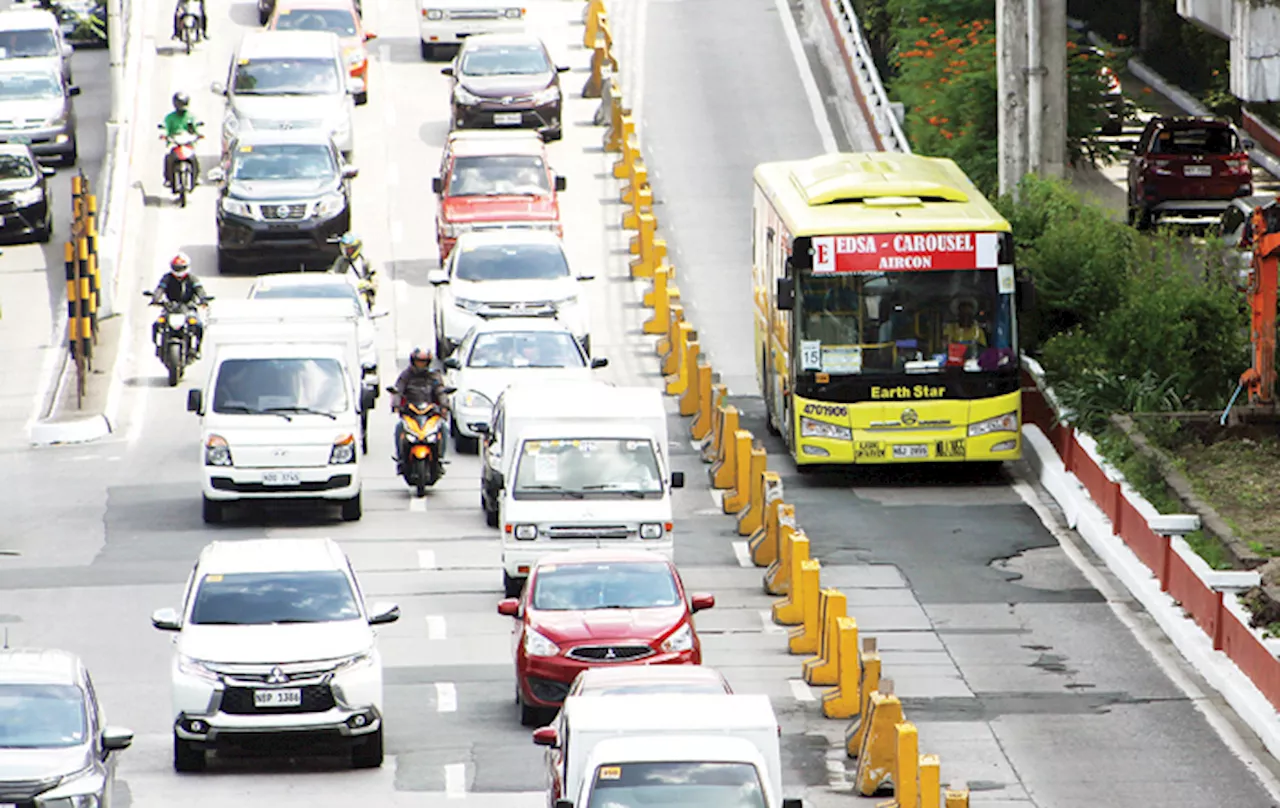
{"type": "Point", "coordinates": [1001, 423]}
{"type": "Point", "coordinates": [810, 428]}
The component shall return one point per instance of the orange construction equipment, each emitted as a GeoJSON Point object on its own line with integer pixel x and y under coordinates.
{"type": "Point", "coordinates": [1262, 235]}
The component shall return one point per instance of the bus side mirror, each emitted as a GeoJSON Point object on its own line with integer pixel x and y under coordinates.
{"type": "Point", "coordinates": [786, 294]}
{"type": "Point", "coordinates": [1026, 294]}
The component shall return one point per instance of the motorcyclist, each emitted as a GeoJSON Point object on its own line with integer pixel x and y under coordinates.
{"type": "Point", "coordinates": [176, 122]}
{"type": "Point", "coordinates": [177, 19]}
{"type": "Point", "coordinates": [352, 259]}
{"type": "Point", "coordinates": [180, 286]}
{"type": "Point", "coordinates": [418, 382]}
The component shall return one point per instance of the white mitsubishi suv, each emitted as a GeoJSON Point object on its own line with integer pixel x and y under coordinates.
{"type": "Point", "coordinates": [275, 649]}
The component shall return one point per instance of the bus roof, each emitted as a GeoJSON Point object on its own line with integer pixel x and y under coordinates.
{"type": "Point", "coordinates": [876, 192]}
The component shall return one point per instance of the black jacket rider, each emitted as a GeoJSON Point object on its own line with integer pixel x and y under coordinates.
{"type": "Point", "coordinates": [181, 290]}
{"type": "Point", "coordinates": [421, 384]}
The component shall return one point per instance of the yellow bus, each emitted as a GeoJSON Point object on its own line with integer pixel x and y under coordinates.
{"type": "Point", "coordinates": [886, 311]}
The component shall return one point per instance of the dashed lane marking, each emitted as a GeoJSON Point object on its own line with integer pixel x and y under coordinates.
{"type": "Point", "coordinates": [455, 780]}
{"type": "Point", "coordinates": [770, 627]}
{"type": "Point", "coordinates": [417, 505]}
{"type": "Point", "coordinates": [427, 559]}
{"type": "Point", "coordinates": [446, 697]}
{"type": "Point", "coordinates": [435, 627]}
{"type": "Point", "coordinates": [743, 552]}
{"type": "Point", "coordinates": [800, 690]}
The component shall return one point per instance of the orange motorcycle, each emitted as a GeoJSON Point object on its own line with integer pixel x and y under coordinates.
{"type": "Point", "coordinates": [422, 436]}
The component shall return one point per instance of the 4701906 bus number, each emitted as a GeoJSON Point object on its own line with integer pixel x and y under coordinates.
{"type": "Point", "coordinates": [950, 448]}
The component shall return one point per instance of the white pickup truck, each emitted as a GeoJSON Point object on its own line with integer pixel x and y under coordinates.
{"type": "Point", "coordinates": [445, 23]}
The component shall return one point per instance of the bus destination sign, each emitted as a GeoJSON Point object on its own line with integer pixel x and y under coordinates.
{"type": "Point", "coordinates": [897, 252]}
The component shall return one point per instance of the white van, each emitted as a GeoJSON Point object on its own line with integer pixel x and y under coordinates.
{"type": "Point", "coordinates": [283, 417]}
{"type": "Point", "coordinates": [34, 35]}
{"type": "Point", "coordinates": [594, 737]}
{"type": "Point", "coordinates": [574, 464]}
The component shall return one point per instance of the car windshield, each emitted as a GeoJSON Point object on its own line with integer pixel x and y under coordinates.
{"type": "Point", "coordinates": [41, 716]}
{"type": "Point", "coordinates": [339, 21]}
{"type": "Point", "coordinates": [509, 60]}
{"type": "Point", "coordinates": [20, 86]}
{"type": "Point", "coordinates": [16, 167]}
{"type": "Point", "coordinates": [525, 349]}
{"type": "Point", "coordinates": [257, 386]}
{"type": "Point", "coordinates": [1216, 140]}
{"type": "Point", "coordinates": [24, 44]}
{"type": "Point", "coordinates": [287, 77]}
{"type": "Point", "coordinates": [506, 175]}
{"type": "Point", "coordinates": [597, 466]}
{"type": "Point", "coordinates": [677, 785]}
{"type": "Point", "coordinates": [510, 262]}
{"type": "Point", "coordinates": [650, 688]}
{"type": "Point", "coordinates": [264, 598]}
{"type": "Point", "coordinates": [283, 162]}
{"type": "Point", "coordinates": [620, 585]}
{"type": "Point", "coordinates": [309, 291]}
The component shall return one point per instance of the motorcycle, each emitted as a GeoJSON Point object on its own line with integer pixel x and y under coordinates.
{"type": "Point", "coordinates": [183, 148]}
{"type": "Point", "coordinates": [189, 24]}
{"type": "Point", "coordinates": [173, 336]}
{"type": "Point", "coordinates": [421, 441]}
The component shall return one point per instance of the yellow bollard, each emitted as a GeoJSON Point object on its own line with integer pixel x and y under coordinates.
{"type": "Point", "coordinates": [625, 164]}
{"type": "Point", "coordinates": [877, 758]}
{"type": "Point", "coordinates": [589, 34]}
{"type": "Point", "coordinates": [736, 498]}
{"type": "Point", "coordinates": [930, 781]}
{"type": "Point", "coordinates": [777, 579]}
{"type": "Point", "coordinates": [804, 638]}
{"type": "Point", "coordinates": [652, 254]}
{"type": "Point", "coordinates": [593, 7]}
{"type": "Point", "coordinates": [601, 58]}
{"type": "Point", "coordinates": [692, 398]}
{"type": "Point", "coordinates": [722, 470]}
{"type": "Point", "coordinates": [626, 132]}
{"type": "Point", "coordinates": [618, 113]}
{"type": "Point", "coordinates": [870, 683]}
{"type": "Point", "coordinates": [906, 770]}
{"type": "Point", "coordinates": [711, 444]}
{"type": "Point", "coordinates": [845, 699]}
{"type": "Point", "coordinates": [790, 610]}
{"type": "Point", "coordinates": [672, 356]}
{"type": "Point", "coordinates": [678, 382]}
{"type": "Point", "coordinates": [666, 341]}
{"type": "Point", "coordinates": [956, 797]}
{"type": "Point", "coordinates": [637, 195]}
{"type": "Point", "coordinates": [660, 322]}
{"type": "Point", "coordinates": [751, 517]}
{"type": "Point", "coordinates": [700, 427]}
{"type": "Point", "coordinates": [763, 544]}
{"type": "Point", "coordinates": [823, 669]}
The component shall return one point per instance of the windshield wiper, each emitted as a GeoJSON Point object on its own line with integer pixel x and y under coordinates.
{"type": "Point", "coordinates": [217, 623]}
{"type": "Point", "coordinates": [556, 488]}
{"type": "Point", "coordinates": [241, 408]}
{"type": "Point", "coordinates": [302, 411]}
{"type": "Point", "coordinates": [611, 488]}
{"type": "Point", "coordinates": [289, 622]}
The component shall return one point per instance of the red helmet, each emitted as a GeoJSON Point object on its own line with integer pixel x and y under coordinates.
{"type": "Point", "coordinates": [180, 265]}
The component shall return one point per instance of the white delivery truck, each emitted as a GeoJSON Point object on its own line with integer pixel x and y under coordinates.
{"type": "Point", "coordinates": [282, 418]}
{"type": "Point", "coordinates": [684, 741]}
{"type": "Point", "coordinates": [576, 464]}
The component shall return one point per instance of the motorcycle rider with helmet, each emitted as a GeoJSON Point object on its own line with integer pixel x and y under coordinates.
{"type": "Point", "coordinates": [177, 20]}
{"type": "Point", "coordinates": [352, 260]}
{"type": "Point", "coordinates": [418, 382]}
{"type": "Point", "coordinates": [175, 123]}
{"type": "Point", "coordinates": [178, 285]}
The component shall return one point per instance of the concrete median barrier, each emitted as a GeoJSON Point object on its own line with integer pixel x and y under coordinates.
{"type": "Point", "coordinates": [777, 578]}
{"type": "Point", "coordinates": [763, 544]}
{"type": "Point", "coordinates": [878, 753]}
{"type": "Point", "coordinates": [930, 778]}
{"type": "Point", "coordinates": [845, 699]}
{"type": "Point", "coordinates": [652, 253]}
{"type": "Point", "coordinates": [723, 469]}
{"type": "Point", "coordinates": [955, 797]}
{"type": "Point", "coordinates": [637, 193]}
{"type": "Point", "coordinates": [596, 19]}
{"type": "Point", "coordinates": [870, 683]}
{"type": "Point", "coordinates": [699, 383]}
{"type": "Point", "coordinates": [906, 766]}
{"type": "Point", "coordinates": [667, 342]}
{"type": "Point", "coordinates": [737, 497]}
{"type": "Point", "coordinates": [616, 115]}
{"type": "Point", "coordinates": [711, 444]}
{"type": "Point", "coordinates": [751, 517]}
{"type": "Point", "coordinates": [660, 322]}
{"type": "Point", "coordinates": [593, 8]}
{"type": "Point", "coordinates": [678, 381]}
{"type": "Point", "coordinates": [790, 610]}
{"type": "Point", "coordinates": [700, 426]}
{"type": "Point", "coordinates": [603, 65]}
{"type": "Point", "coordinates": [807, 589]}
{"type": "Point", "coordinates": [624, 166]}
{"type": "Point", "coordinates": [823, 669]}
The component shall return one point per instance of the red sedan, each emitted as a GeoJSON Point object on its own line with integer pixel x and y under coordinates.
{"type": "Point", "coordinates": [585, 608]}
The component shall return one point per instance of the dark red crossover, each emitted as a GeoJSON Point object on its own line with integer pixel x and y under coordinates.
{"type": "Point", "coordinates": [1187, 167]}
{"type": "Point", "coordinates": [506, 81]}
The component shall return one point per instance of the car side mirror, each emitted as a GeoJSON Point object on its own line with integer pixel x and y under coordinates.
{"type": "Point", "coordinates": [383, 613]}
{"type": "Point", "coordinates": [73, 90]}
{"type": "Point", "coordinates": [48, 171]}
{"type": "Point", "coordinates": [562, 68]}
{"type": "Point", "coordinates": [509, 607]}
{"type": "Point", "coordinates": [166, 620]}
{"type": "Point", "coordinates": [437, 185]}
{"type": "Point", "coordinates": [368, 35]}
{"type": "Point", "coordinates": [437, 277]}
{"type": "Point", "coordinates": [448, 71]}
{"type": "Point", "coordinates": [148, 293]}
{"type": "Point", "coordinates": [786, 296]}
{"type": "Point", "coordinates": [350, 172]}
{"type": "Point", "coordinates": [216, 174]}
{"type": "Point", "coordinates": [546, 736]}
{"type": "Point", "coordinates": [677, 479]}
{"type": "Point", "coordinates": [701, 602]}
{"type": "Point", "coordinates": [561, 183]}
{"type": "Point", "coordinates": [586, 276]}
{"type": "Point", "coordinates": [195, 400]}
{"type": "Point", "coordinates": [482, 429]}
{"type": "Point", "coordinates": [218, 88]}
{"type": "Point", "coordinates": [453, 363]}
{"type": "Point", "coordinates": [116, 738]}
{"type": "Point", "coordinates": [793, 802]}
{"type": "Point", "coordinates": [379, 314]}
{"type": "Point", "coordinates": [599, 362]}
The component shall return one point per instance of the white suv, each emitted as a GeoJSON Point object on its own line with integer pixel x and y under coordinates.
{"type": "Point", "coordinates": [445, 23]}
{"type": "Point", "coordinates": [275, 647]}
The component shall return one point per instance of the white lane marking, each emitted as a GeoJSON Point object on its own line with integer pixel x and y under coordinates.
{"type": "Point", "coordinates": [770, 627]}
{"type": "Point", "coordinates": [696, 445]}
{"type": "Point", "coordinates": [800, 690]}
{"type": "Point", "coordinates": [393, 175]}
{"type": "Point", "coordinates": [806, 77]}
{"type": "Point", "coordinates": [743, 552]}
{"type": "Point", "coordinates": [417, 505]}
{"type": "Point", "coordinates": [455, 780]}
{"type": "Point", "coordinates": [717, 498]}
{"type": "Point", "coordinates": [426, 559]}
{"type": "Point", "coordinates": [1163, 659]}
{"type": "Point", "coordinates": [397, 232]}
{"type": "Point", "coordinates": [446, 697]}
{"type": "Point", "coordinates": [435, 627]}
{"type": "Point", "coordinates": [384, 54]}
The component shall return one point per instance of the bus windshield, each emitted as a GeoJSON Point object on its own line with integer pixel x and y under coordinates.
{"type": "Point", "coordinates": [904, 322]}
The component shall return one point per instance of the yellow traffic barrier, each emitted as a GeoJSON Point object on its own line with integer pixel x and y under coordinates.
{"type": "Point", "coordinates": [877, 758]}
{"type": "Point", "coordinates": [763, 544]}
{"type": "Point", "coordinates": [723, 469]}
{"type": "Point", "coordinates": [751, 517]}
{"type": "Point", "coordinates": [679, 380]}
{"type": "Point", "coordinates": [930, 781]}
{"type": "Point", "coordinates": [845, 699]}
{"type": "Point", "coordinates": [618, 113]}
{"type": "Point", "coordinates": [704, 421]}
{"type": "Point", "coordinates": [823, 669]}
{"type": "Point", "coordinates": [736, 498]}
{"type": "Point", "coordinates": [906, 769]}
{"type": "Point", "coordinates": [777, 579]}
{"type": "Point", "coordinates": [790, 610]}
{"type": "Point", "coordinates": [602, 59]}
{"type": "Point", "coordinates": [719, 400]}
{"type": "Point", "coordinates": [956, 797]}
{"type": "Point", "coordinates": [637, 193]}
{"type": "Point", "coordinates": [660, 322]}
{"type": "Point", "coordinates": [691, 401]}
{"type": "Point", "coordinates": [652, 252]}
{"type": "Point", "coordinates": [593, 7]}
{"type": "Point", "coordinates": [856, 731]}
{"type": "Point", "coordinates": [594, 21]}
{"type": "Point", "coordinates": [688, 397]}
{"type": "Point", "coordinates": [807, 588]}
{"type": "Point", "coordinates": [667, 342]}
{"type": "Point", "coordinates": [625, 164]}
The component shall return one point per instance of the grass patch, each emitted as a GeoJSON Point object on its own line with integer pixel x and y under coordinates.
{"type": "Point", "coordinates": [1237, 476]}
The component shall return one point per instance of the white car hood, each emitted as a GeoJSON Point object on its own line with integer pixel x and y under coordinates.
{"type": "Point", "coordinates": [328, 109]}
{"type": "Point", "coordinates": [300, 642]}
{"type": "Point", "coordinates": [599, 509]}
{"type": "Point", "coordinates": [491, 382]}
{"type": "Point", "coordinates": [514, 291]}
{"type": "Point", "coordinates": [34, 109]}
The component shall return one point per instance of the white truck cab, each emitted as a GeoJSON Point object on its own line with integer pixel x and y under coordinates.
{"type": "Point", "coordinates": [282, 418]}
{"type": "Point", "coordinates": [445, 23]}
{"type": "Point", "coordinates": [576, 464]}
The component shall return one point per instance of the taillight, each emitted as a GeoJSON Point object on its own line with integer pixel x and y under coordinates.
{"type": "Point", "coordinates": [1238, 165]}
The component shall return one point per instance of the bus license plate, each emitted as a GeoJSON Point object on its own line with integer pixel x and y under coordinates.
{"type": "Point", "coordinates": [506, 118]}
{"type": "Point", "coordinates": [281, 478]}
{"type": "Point", "coordinates": [288, 697]}
{"type": "Point", "coordinates": [910, 451]}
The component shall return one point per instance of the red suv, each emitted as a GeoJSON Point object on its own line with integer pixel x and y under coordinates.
{"type": "Point", "coordinates": [583, 608]}
{"type": "Point", "coordinates": [1187, 167]}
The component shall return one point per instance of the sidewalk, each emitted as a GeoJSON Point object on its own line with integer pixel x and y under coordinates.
{"type": "Point", "coordinates": [31, 299]}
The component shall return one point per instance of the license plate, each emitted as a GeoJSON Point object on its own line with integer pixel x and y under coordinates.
{"type": "Point", "coordinates": [1197, 171]}
{"type": "Point", "coordinates": [911, 451]}
{"type": "Point", "coordinates": [506, 118]}
{"type": "Point", "coordinates": [19, 139]}
{"type": "Point", "coordinates": [287, 697]}
{"type": "Point", "coordinates": [281, 477]}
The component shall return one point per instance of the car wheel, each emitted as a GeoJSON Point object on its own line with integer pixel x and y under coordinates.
{"type": "Point", "coordinates": [352, 509]}
{"type": "Point", "coordinates": [210, 511]}
{"type": "Point", "coordinates": [491, 517]}
{"type": "Point", "coordinates": [44, 233]}
{"type": "Point", "coordinates": [362, 98]}
{"type": "Point", "coordinates": [463, 444]}
{"type": "Point", "coordinates": [511, 586]}
{"type": "Point", "coordinates": [226, 264]}
{"type": "Point", "coordinates": [70, 158]}
{"type": "Point", "coordinates": [428, 51]}
{"type": "Point", "coordinates": [367, 753]}
{"type": "Point", "coordinates": [536, 716]}
{"type": "Point", "coordinates": [263, 15]}
{"type": "Point", "coordinates": [553, 134]}
{"type": "Point", "coordinates": [186, 758]}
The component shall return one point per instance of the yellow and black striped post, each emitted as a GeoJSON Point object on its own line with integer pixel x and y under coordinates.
{"type": "Point", "coordinates": [95, 287]}
{"type": "Point", "coordinates": [78, 186]}
{"type": "Point", "coordinates": [73, 317]}
{"type": "Point", "coordinates": [85, 295]}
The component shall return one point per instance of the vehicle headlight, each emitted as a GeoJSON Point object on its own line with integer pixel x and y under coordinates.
{"type": "Point", "coordinates": [537, 645]}
{"type": "Point", "coordinates": [343, 451]}
{"type": "Point", "coordinates": [547, 96]}
{"type": "Point", "coordinates": [340, 128]}
{"type": "Point", "coordinates": [354, 662]}
{"type": "Point", "coordinates": [464, 96]}
{"type": "Point", "coordinates": [330, 205]}
{"type": "Point", "coordinates": [433, 14]}
{"type": "Point", "coordinates": [75, 791]}
{"type": "Point", "coordinates": [455, 230]}
{"type": "Point", "coordinates": [513, 13]}
{"type": "Point", "coordinates": [28, 196]}
{"type": "Point", "coordinates": [236, 207]}
{"type": "Point", "coordinates": [468, 305]}
{"type": "Point", "coordinates": [680, 640]}
{"type": "Point", "coordinates": [526, 532]}
{"type": "Point", "coordinates": [216, 451]}
{"type": "Point", "coordinates": [810, 428]}
{"type": "Point", "coordinates": [177, 320]}
{"type": "Point", "coordinates": [651, 530]}
{"type": "Point", "coordinates": [473, 400]}
{"type": "Point", "coordinates": [1001, 423]}
{"type": "Point", "coordinates": [60, 120]}
{"type": "Point", "coordinates": [194, 667]}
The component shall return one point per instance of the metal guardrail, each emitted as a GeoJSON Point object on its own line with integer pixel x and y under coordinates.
{"type": "Point", "coordinates": [863, 69]}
